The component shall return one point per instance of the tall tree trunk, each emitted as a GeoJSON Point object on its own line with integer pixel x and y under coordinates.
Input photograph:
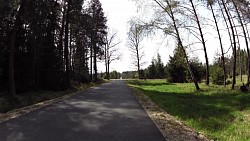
{"type": "Point", "coordinates": [12, 87]}
{"type": "Point", "coordinates": [203, 42]}
{"type": "Point", "coordinates": [106, 58]}
{"type": "Point", "coordinates": [138, 62]}
{"type": "Point", "coordinates": [184, 51]}
{"type": "Point", "coordinates": [95, 62]}
{"type": "Point", "coordinates": [234, 43]}
{"type": "Point", "coordinates": [238, 41]}
{"type": "Point", "coordinates": [70, 53]}
{"type": "Point", "coordinates": [108, 62]}
{"type": "Point", "coordinates": [171, 15]}
{"type": "Point", "coordinates": [60, 46]}
{"type": "Point", "coordinates": [108, 69]}
{"type": "Point", "coordinates": [17, 23]}
{"type": "Point", "coordinates": [240, 63]}
{"type": "Point", "coordinates": [91, 59]}
{"type": "Point", "coordinates": [66, 46]}
{"type": "Point", "coordinates": [248, 56]}
{"type": "Point", "coordinates": [78, 76]}
{"type": "Point", "coordinates": [221, 46]}
{"type": "Point", "coordinates": [245, 37]}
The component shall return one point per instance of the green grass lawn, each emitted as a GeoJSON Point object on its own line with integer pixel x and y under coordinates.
{"type": "Point", "coordinates": [26, 99]}
{"type": "Point", "coordinates": [217, 112]}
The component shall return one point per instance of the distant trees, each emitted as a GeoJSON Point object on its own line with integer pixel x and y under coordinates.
{"type": "Point", "coordinates": [184, 22]}
{"type": "Point", "coordinates": [175, 71]}
{"type": "Point", "coordinates": [115, 75]}
{"type": "Point", "coordinates": [49, 44]}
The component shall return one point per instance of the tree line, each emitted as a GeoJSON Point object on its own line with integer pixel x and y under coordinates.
{"type": "Point", "coordinates": [180, 19]}
{"type": "Point", "coordinates": [46, 44]}
{"type": "Point", "coordinates": [176, 71]}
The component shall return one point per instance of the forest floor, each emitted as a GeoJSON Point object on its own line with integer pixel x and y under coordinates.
{"type": "Point", "coordinates": [182, 113]}
{"type": "Point", "coordinates": [12, 107]}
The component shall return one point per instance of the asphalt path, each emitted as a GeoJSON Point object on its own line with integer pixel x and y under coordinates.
{"type": "Point", "coordinates": [105, 113]}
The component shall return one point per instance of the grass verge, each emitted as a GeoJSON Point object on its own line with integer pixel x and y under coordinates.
{"type": "Point", "coordinates": [217, 112]}
{"type": "Point", "coordinates": [26, 99]}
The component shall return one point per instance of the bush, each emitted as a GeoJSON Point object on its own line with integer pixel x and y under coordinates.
{"type": "Point", "coordinates": [217, 75]}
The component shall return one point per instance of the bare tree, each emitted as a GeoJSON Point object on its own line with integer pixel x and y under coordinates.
{"type": "Point", "coordinates": [111, 52]}
{"type": "Point", "coordinates": [135, 37]}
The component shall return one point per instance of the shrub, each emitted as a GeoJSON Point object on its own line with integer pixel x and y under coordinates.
{"type": "Point", "coordinates": [217, 75]}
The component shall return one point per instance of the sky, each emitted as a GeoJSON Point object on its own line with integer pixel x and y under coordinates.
{"type": "Point", "coordinates": [119, 12]}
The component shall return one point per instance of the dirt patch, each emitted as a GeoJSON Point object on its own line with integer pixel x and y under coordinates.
{"type": "Point", "coordinates": [169, 126]}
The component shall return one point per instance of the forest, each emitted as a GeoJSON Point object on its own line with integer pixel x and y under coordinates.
{"type": "Point", "coordinates": [47, 44]}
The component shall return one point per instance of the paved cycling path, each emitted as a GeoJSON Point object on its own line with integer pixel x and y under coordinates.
{"type": "Point", "coordinates": [105, 113]}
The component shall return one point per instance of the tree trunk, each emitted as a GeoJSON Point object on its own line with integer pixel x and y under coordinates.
{"type": "Point", "coordinates": [238, 41]}
{"type": "Point", "coordinates": [17, 23]}
{"type": "Point", "coordinates": [91, 59]}
{"type": "Point", "coordinates": [95, 62]}
{"type": "Point", "coordinates": [108, 62]}
{"type": "Point", "coordinates": [240, 63]}
{"type": "Point", "coordinates": [106, 58]}
{"type": "Point", "coordinates": [180, 43]}
{"type": "Point", "coordinates": [221, 46]}
{"type": "Point", "coordinates": [203, 42]}
{"type": "Point", "coordinates": [171, 15]}
{"type": "Point", "coordinates": [246, 40]}
{"type": "Point", "coordinates": [70, 55]}
{"type": "Point", "coordinates": [234, 43]}
{"type": "Point", "coordinates": [60, 46]}
{"type": "Point", "coordinates": [66, 46]}
{"type": "Point", "coordinates": [12, 87]}
{"type": "Point", "coordinates": [138, 62]}
{"type": "Point", "coordinates": [108, 70]}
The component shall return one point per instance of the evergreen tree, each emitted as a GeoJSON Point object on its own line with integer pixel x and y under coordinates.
{"type": "Point", "coordinates": [152, 70]}
{"type": "Point", "coordinates": [176, 67]}
{"type": "Point", "coordinates": [159, 68]}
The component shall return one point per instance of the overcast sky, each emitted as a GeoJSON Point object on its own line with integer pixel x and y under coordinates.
{"type": "Point", "coordinates": [119, 12]}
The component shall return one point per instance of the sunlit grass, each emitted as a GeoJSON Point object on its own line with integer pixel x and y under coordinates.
{"type": "Point", "coordinates": [217, 111]}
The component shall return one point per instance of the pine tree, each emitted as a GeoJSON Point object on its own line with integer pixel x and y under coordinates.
{"type": "Point", "coordinates": [176, 67]}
